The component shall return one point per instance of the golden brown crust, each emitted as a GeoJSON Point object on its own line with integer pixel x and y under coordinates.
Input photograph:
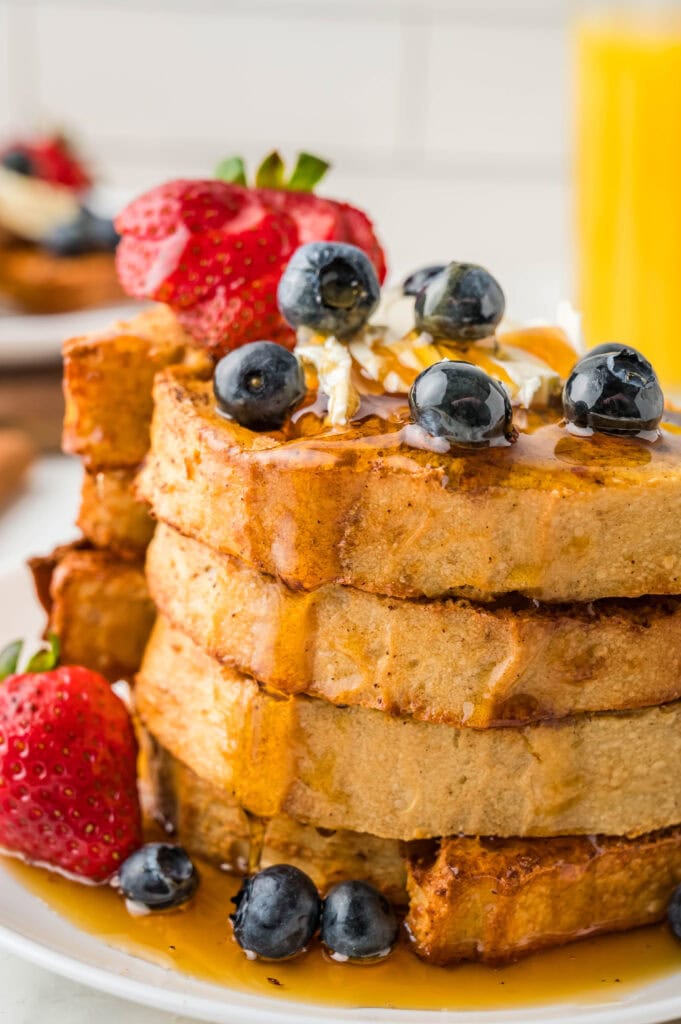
{"type": "Point", "coordinates": [210, 823]}
{"type": "Point", "coordinates": [495, 900]}
{"type": "Point", "coordinates": [397, 520]}
{"type": "Point", "coordinates": [98, 606]}
{"type": "Point", "coordinates": [110, 514]}
{"type": "Point", "coordinates": [107, 386]}
{"type": "Point", "coordinates": [366, 771]}
{"type": "Point", "coordinates": [471, 899]}
{"type": "Point", "coordinates": [442, 661]}
{"type": "Point", "coordinates": [42, 283]}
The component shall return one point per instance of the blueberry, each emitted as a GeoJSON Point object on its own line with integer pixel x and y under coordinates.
{"type": "Point", "coordinates": [87, 233]}
{"type": "Point", "coordinates": [674, 912]}
{"type": "Point", "coordinates": [463, 303]}
{"type": "Point", "coordinates": [158, 876]}
{"type": "Point", "coordinates": [357, 921]}
{"type": "Point", "coordinates": [330, 287]}
{"type": "Point", "coordinates": [460, 402]}
{"type": "Point", "coordinates": [69, 239]}
{"type": "Point", "coordinates": [613, 389]}
{"type": "Point", "coordinates": [608, 346]}
{"type": "Point", "coordinates": [258, 385]}
{"type": "Point", "coordinates": [413, 284]}
{"type": "Point", "coordinates": [277, 912]}
{"type": "Point", "coordinates": [19, 161]}
{"type": "Point", "coordinates": [101, 232]}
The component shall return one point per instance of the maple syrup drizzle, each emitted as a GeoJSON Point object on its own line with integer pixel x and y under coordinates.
{"type": "Point", "coordinates": [198, 941]}
{"type": "Point", "coordinates": [257, 828]}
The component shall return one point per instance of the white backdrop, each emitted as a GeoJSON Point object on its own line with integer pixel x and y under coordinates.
{"type": "Point", "coordinates": [446, 119]}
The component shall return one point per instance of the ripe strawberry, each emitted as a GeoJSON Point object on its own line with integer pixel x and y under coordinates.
{"type": "Point", "coordinates": [317, 219]}
{"type": "Point", "coordinates": [68, 794]}
{"type": "Point", "coordinates": [57, 162]}
{"type": "Point", "coordinates": [214, 250]}
{"type": "Point", "coordinates": [359, 231]}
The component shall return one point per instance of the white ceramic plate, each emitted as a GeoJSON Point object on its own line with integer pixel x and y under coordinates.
{"type": "Point", "coordinates": [30, 929]}
{"type": "Point", "coordinates": [28, 340]}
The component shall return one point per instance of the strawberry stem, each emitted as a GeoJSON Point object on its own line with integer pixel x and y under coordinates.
{"type": "Point", "coordinates": [309, 170]}
{"type": "Point", "coordinates": [47, 657]}
{"type": "Point", "coordinates": [270, 174]}
{"type": "Point", "coordinates": [232, 170]}
{"type": "Point", "coordinates": [9, 658]}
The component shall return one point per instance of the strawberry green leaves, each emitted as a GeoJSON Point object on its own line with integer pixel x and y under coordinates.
{"type": "Point", "coordinates": [271, 172]}
{"type": "Point", "coordinates": [307, 172]}
{"type": "Point", "coordinates": [44, 659]}
{"type": "Point", "coordinates": [9, 658]}
{"type": "Point", "coordinates": [232, 170]}
{"type": "Point", "coordinates": [47, 657]}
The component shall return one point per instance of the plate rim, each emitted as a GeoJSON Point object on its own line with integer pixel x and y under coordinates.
{"type": "Point", "coordinates": [227, 1005]}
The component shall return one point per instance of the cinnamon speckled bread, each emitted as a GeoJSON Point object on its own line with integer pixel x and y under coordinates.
{"type": "Point", "coordinates": [399, 778]}
{"type": "Point", "coordinates": [554, 517]}
{"type": "Point", "coordinates": [469, 899]}
{"type": "Point", "coordinates": [108, 377]}
{"type": "Point", "coordinates": [111, 516]}
{"type": "Point", "coordinates": [98, 606]}
{"type": "Point", "coordinates": [486, 899]}
{"type": "Point", "coordinates": [211, 824]}
{"type": "Point", "coordinates": [442, 661]}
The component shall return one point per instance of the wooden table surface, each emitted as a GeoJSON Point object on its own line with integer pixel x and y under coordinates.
{"type": "Point", "coordinates": [31, 400]}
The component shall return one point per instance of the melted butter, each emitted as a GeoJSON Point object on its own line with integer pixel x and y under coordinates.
{"type": "Point", "coordinates": [550, 344]}
{"type": "Point", "coordinates": [197, 941]}
{"type": "Point", "coordinates": [529, 362]}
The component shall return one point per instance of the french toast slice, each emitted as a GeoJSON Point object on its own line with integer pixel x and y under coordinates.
{"type": "Point", "coordinates": [213, 825]}
{"type": "Point", "coordinates": [553, 516]}
{"type": "Point", "coordinates": [449, 661]}
{"type": "Point", "coordinates": [367, 771]}
{"type": "Point", "coordinates": [110, 514]}
{"type": "Point", "coordinates": [470, 899]}
{"type": "Point", "coordinates": [40, 282]}
{"type": "Point", "coordinates": [107, 386]}
{"type": "Point", "coordinates": [495, 900]}
{"type": "Point", "coordinates": [99, 607]}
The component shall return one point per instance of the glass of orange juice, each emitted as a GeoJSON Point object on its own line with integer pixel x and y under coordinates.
{"type": "Point", "coordinates": [628, 180]}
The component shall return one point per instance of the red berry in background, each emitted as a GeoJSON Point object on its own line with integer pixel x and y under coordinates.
{"type": "Point", "coordinates": [51, 159]}
{"type": "Point", "coordinates": [56, 161]}
{"type": "Point", "coordinates": [68, 766]}
{"type": "Point", "coordinates": [214, 251]}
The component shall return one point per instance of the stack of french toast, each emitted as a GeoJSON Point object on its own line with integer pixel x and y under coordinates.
{"type": "Point", "coordinates": [431, 666]}
{"type": "Point", "coordinates": [385, 598]}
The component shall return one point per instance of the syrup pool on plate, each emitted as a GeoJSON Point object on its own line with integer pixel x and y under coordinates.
{"type": "Point", "coordinates": [198, 941]}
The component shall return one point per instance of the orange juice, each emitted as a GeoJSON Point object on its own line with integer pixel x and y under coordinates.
{"type": "Point", "coordinates": [628, 179]}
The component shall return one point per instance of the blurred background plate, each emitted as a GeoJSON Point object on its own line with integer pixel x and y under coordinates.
{"type": "Point", "coordinates": [28, 340]}
{"type": "Point", "coordinates": [33, 339]}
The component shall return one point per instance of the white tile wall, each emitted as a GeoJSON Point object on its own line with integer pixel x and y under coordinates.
{"type": "Point", "coordinates": [496, 93]}
{"type": "Point", "coordinates": [184, 77]}
{"type": "Point", "coordinates": [517, 228]}
{"type": "Point", "coordinates": [445, 118]}
{"type": "Point", "coordinates": [5, 107]}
